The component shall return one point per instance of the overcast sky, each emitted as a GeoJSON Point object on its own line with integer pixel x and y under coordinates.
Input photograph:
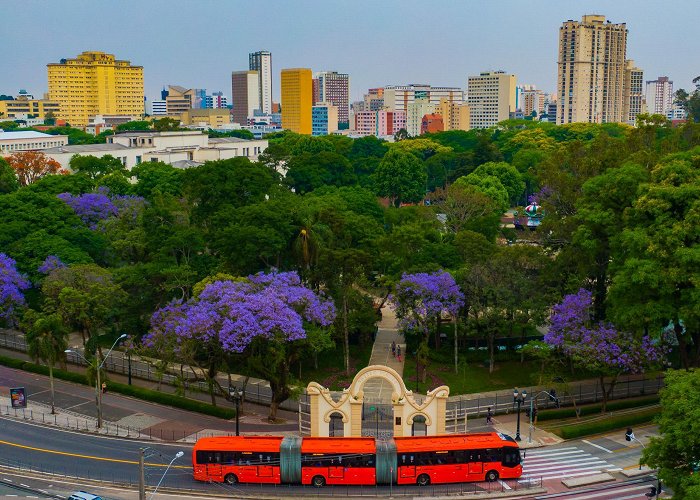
{"type": "Point", "coordinates": [378, 42]}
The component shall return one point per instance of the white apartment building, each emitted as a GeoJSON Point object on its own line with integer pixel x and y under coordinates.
{"type": "Point", "coordinates": [191, 147]}
{"type": "Point", "coordinates": [159, 108]}
{"type": "Point", "coordinates": [11, 142]}
{"type": "Point", "coordinates": [633, 103]}
{"type": "Point", "coordinates": [491, 98]}
{"type": "Point", "coordinates": [659, 96]}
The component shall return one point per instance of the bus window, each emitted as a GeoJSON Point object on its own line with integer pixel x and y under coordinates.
{"type": "Point", "coordinates": [511, 457]}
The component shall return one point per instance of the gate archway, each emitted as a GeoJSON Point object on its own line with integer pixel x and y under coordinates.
{"type": "Point", "coordinates": [395, 417]}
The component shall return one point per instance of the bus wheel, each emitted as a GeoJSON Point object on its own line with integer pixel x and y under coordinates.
{"type": "Point", "coordinates": [492, 476]}
{"type": "Point", "coordinates": [231, 479]}
{"type": "Point", "coordinates": [423, 480]}
{"type": "Point", "coordinates": [318, 481]}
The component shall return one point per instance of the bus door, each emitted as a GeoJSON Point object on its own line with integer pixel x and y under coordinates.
{"type": "Point", "coordinates": [407, 465]}
{"type": "Point", "coordinates": [215, 472]}
{"type": "Point", "coordinates": [476, 463]}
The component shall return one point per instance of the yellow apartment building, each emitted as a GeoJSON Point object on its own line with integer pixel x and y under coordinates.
{"type": "Point", "coordinates": [297, 100]}
{"type": "Point", "coordinates": [95, 83]}
{"type": "Point", "coordinates": [22, 105]}
{"type": "Point", "coordinates": [455, 116]}
{"type": "Point", "coordinates": [213, 118]}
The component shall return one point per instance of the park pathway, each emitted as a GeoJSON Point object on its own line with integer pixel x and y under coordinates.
{"type": "Point", "coordinates": [377, 390]}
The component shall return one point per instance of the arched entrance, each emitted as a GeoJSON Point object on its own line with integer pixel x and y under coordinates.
{"type": "Point", "coordinates": [392, 412]}
{"type": "Point", "coordinates": [336, 428]}
{"type": "Point", "coordinates": [419, 427]}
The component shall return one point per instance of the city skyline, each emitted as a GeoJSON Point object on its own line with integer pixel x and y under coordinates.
{"type": "Point", "coordinates": [372, 43]}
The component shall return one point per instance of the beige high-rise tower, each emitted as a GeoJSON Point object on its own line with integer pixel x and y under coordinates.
{"type": "Point", "coordinates": [590, 83]}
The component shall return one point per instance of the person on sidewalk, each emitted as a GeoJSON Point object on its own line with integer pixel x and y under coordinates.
{"type": "Point", "coordinates": [398, 352]}
{"type": "Point", "coordinates": [489, 416]}
{"type": "Point", "coordinates": [393, 348]}
{"type": "Point", "coordinates": [104, 387]}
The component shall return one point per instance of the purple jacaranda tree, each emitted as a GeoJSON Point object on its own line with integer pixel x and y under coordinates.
{"type": "Point", "coordinates": [599, 347]}
{"type": "Point", "coordinates": [12, 285]}
{"type": "Point", "coordinates": [268, 309]}
{"type": "Point", "coordinates": [92, 208]}
{"type": "Point", "coordinates": [50, 263]}
{"type": "Point", "coordinates": [419, 301]}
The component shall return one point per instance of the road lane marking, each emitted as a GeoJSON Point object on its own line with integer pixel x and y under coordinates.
{"type": "Point", "coordinates": [546, 452]}
{"type": "Point", "coordinates": [597, 446]}
{"type": "Point", "coordinates": [88, 457]}
{"type": "Point", "coordinates": [25, 485]}
{"type": "Point", "coordinates": [505, 485]}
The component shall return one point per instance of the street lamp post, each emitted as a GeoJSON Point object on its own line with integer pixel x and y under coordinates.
{"type": "Point", "coordinates": [532, 400]}
{"type": "Point", "coordinates": [98, 365]}
{"type": "Point", "coordinates": [236, 394]}
{"type": "Point", "coordinates": [128, 356]}
{"type": "Point", "coordinates": [177, 455]}
{"type": "Point", "coordinates": [519, 398]}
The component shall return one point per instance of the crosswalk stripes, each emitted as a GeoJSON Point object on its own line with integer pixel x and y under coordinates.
{"type": "Point", "coordinates": [612, 493]}
{"type": "Point", "coordinates": [563, 463]}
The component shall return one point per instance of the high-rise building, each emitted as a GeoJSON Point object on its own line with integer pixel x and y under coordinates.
{"type": "Point", "coordinates": [334, 88]}
{"type": "Point", "coordinates": [634, 93]}
{"type": "Point", "coordinates": [380, 123]}
{"type": "Point", "coordinates": [159, 108]}
{"type": "Point", "coordinates": [454, 116]}
{"type": "Point", "coordinates": [398, 98]}
{"type": "Point", "coordinates": [491, 98]}
{"type": "Point", "coordinates": [245, 95]}
{"type": "Point", "coordinates": [415, 112]}
{"type": "Point", "coordinates": [324, 118]}
{"type": "Point", "coordinates": [95, 83]}
{"type": "Point", "coordinates": [531, 100]}
{"type": "Point", "coordinates": [590, 82]}
{"type": "Point", "coordinates": [659, 96]}
{"type": "Point", "coordinates": [295, 84]}
{"type": "Point", "coordinates": [216, 100]}
{"type": "Point", "coordinates": [261, 62]}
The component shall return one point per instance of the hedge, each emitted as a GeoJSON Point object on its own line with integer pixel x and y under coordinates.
{"type": "Point", "coordinates": [562, 413]}
{"type": "Point", "coordinates": [128, 390]}
{"type": "Point", "coordinates": [606, 425]}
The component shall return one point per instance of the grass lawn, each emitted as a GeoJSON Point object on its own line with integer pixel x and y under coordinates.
{"type": "Point", "coordinates": [330, 372]}
{"type": "Point", "coordinates": [472, 377]}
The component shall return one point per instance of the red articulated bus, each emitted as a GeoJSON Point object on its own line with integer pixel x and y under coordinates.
{"type": "Point", "coordinates": [456, 458]}
{"type": "Point", "coordinates": [357, 461]}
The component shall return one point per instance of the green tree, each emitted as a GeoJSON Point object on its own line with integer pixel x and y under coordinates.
{"type": "Point", "coordinates": [134, 126]}
{"type": "Point", "coordinates": [94, 167]}
{"type": "Point", "coordinates": [166, 124]}
{"type": "Point", "coordinates": [306, 172]}
{"type": "Point", "coordinates": [8, 179]}
{"type": "Point", "coordinates": [401, 177]}
{"type": "Point", "coordinates": [157, 177]}
{"type": "Point", "coordinates": [676, 451]}
{"type": "Point", "coordinates": [507, 174]}
{"type": "Point", "coordinates": [85, 296]}
{"type": "Point", "coordinates": [488, 185]}
{"type": "Point", "coordinates": [241, 134]}
{"type": "Point", "coordinates": [47, 340]}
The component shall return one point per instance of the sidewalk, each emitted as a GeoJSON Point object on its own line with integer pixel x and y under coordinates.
{"type": "Point", "coordinates": [378, 390]}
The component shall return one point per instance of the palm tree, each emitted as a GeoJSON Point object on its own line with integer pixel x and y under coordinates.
{"type": "Point", "coordinates": [47, 340]}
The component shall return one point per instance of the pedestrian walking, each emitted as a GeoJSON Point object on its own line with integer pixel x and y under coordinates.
{"type": "Point", "coordinates": [398, 352]}
{"type": "Point", "coordinates": [104, 387]}
{"type": "Point", "coordinates": [393, 348]}
{"type": "Point", "coordinates": [489, 416]}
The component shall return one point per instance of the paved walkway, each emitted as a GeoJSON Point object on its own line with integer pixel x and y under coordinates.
{"type": "Point", "coordinates": [378, 390]}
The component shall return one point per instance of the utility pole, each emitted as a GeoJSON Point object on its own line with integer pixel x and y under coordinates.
{"type": "Point", "coordinates": [142, 477]}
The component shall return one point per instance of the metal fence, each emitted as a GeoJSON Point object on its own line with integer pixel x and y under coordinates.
{"type": "Point", "coordinates": [256, 391]}
{"type": "Point", "coordinates": [461, 408]}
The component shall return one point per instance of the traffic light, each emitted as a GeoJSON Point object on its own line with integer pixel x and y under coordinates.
{"type": "Point", "coordinates": [629, 435]}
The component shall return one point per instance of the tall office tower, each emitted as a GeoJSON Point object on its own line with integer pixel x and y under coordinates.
{"type": "Point", "coordinates": [216, 100]}
{"type": "Point", "coordinates": [95, 83]}
{"type": "Point", "coordinates": [245, 95]}
{"type": "Point", "coordinates": [261, 62]}
{"type": "Point", "coordinates": [454, 116]}
{"type": "Point", "coordinates": [334, 87]}
{"type": "Point", "coordinates": [374, 99]}
{"type": "Point", "coordinates": [590, 82]}
{"type": "Point", "coordinates": [659, 96]}
{"type": "Point", "coordinates": [491, 98]}
{"type": "Point", "coordinates": [295, 84]}
{"type": "Point", "coordinates": [398, 97]}
{"type": "Point", "coordinates": [634, 93]}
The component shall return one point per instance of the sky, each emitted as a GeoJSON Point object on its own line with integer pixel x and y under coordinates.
{"type": "Point", "coordinates": [197, 43]}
